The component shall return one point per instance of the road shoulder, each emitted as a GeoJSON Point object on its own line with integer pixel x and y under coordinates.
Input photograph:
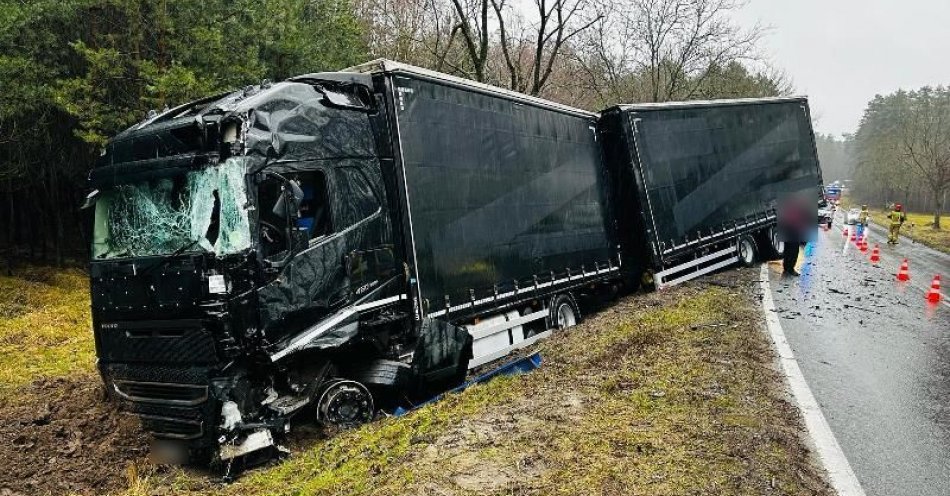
{"type": "Point", "coordinates": [821, 437]}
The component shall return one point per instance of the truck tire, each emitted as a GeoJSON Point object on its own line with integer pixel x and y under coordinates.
{"type": "Point", "coordinates": [771, 246]}
{"type": "Point", "coordinates": [345, 404]}
{"type": "Point", "coordinates": [564, 312]}
{"type": "Point", "coordinates": [748, 251]}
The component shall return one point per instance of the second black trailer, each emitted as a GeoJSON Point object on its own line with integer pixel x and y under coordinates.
{"type": "Point", "coordinates": [695, 186]}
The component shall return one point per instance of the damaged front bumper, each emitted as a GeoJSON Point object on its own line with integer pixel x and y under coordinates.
{"type": "Point", "coordinates": [198, 422]}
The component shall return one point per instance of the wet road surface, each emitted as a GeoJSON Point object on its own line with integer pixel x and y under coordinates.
{"type": "Point", "coordinates": [876, 355]}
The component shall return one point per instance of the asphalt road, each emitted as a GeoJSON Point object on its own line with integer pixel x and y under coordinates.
{"type": "Point", "coordinates": [876, 355]}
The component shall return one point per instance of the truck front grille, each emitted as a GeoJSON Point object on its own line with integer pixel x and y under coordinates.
{"type": "Point", "coordinates": [161, 392]}
{"type": "Point", "coordinates": [161, 342]}
{"type": "Point", "coordinates": [172, 428]}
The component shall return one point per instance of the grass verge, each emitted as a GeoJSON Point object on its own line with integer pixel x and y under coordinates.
{"type": "Point", "coordinates": [45, 326]}
{"type": "Point", "coordinates": [918, 228]}
{"type": "Point", "coordinates": [667, 393]}
{"type": "Point", "coordinates": [672, 392]}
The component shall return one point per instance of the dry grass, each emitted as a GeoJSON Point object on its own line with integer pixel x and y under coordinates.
{"type": "Point", "coordinates": [45, 327]}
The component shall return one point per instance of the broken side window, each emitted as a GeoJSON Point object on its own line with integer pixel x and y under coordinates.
{"type": "Point", "coordinates": [315, 215]}
{"type": "Point", "coordinates": [203, 210]}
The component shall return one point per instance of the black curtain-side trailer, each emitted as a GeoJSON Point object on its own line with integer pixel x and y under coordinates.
{"type": "Point", "coordinates": [691, 182]}
{"type": "Point", "coordinates": [503, 203]}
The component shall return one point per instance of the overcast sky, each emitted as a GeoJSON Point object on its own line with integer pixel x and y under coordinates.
{"type": "Point", "coordinates": [842, 52]}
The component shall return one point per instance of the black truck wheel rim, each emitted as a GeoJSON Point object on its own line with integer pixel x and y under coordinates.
{"type": "Point", "coordinates": [345, 404]}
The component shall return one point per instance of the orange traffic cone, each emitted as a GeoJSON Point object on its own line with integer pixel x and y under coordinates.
{"type": "Point", "coordinates": [903, 274]}
{"type": "Point", "coordinates": [864, 244]}
{"type": "Point", "coordinates": [854, 237]}
{"type": "Point", "coordinates": [933, 295]}
{"type": "Point", "coordinates": [876, 254]}
{"type": "Point", "coordinates": [845, 232]}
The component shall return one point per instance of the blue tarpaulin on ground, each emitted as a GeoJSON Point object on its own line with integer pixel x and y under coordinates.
{"type": "Point", "coordinates": [519, 366]}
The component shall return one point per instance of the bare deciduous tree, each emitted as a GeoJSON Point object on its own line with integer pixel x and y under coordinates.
{"type": "Point", "coordinates": [924, 137]}
{"type": "Point", "coordinates": [531, 55]}
{"type": "Point", "coordinates": [660, 50]}
{"type": "Point", "coordinates": [419, 32]}
{"type": "Point", "coordinates": [513, 43]}
{"type": "Point", "coordinates": [473, 22]}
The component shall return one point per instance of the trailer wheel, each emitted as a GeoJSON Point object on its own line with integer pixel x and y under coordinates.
{"type": "Point", "coordinates": [748, 252]}
{"type": "Point", "coordinates": [345, 404]}
{"type": "Point", "coordinates": [772, 245]}
{"type": "Point", "coordinates": [564, 312]}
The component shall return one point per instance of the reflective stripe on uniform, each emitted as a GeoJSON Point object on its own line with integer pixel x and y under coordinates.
{"type": "Point", "coordinates": [895, 217]}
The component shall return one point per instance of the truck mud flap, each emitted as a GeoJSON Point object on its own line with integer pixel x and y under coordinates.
{"type": "Point", "coordinates": [442, 354]}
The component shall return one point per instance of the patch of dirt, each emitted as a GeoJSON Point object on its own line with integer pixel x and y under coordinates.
{"type": "Point", "coordinates": [63, 437]}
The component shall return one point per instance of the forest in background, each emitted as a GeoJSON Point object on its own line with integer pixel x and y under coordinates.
{"type": "Point", "coordinates": [899, 154]}
{"type": "Point", "coordinates": [901, 151]}
{"type": "Point", "coordinates": [75, 72]}
{"type": "Point", "coordinates": [836, 155]}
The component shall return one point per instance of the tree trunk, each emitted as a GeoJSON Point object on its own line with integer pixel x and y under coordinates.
{"type": "Point", "coordinates": [938, 207]}
{"type": "Point", "coordinates": [11, 232]}
{"type": "Point", "coordinates": [58, 219]}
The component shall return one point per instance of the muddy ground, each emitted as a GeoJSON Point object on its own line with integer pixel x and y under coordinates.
{"type": "Point", "coordinates": [61, 437]}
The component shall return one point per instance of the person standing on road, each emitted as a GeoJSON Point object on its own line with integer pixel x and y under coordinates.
{"type": "Point", "coordinates": [795, 220]}
{"type": "Point", "coordinates": [863, 219]}
{"type": "Point", "coordinates": [897, 218]}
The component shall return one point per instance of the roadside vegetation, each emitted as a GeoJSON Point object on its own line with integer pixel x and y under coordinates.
{"type": "Point", "coordinates": [919, 227]}
{"type": "Point", "coordinates": [672, 392]}
{"type": "Point", "coordinates": [45, 327]}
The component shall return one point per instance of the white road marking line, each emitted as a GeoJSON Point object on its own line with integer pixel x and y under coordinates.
{"type": "Point", "coordinates": [839, 471]}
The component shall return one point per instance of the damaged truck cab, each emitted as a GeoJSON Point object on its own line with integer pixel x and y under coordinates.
{"type": "Point", "coordinates": [244, 266]}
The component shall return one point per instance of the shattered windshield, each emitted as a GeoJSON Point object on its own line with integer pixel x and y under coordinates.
{"type": "Point", "coordinates": [203, 210]}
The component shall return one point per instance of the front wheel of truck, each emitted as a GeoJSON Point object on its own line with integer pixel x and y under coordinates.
{"type": "Point", "coordinates": [345, 404]}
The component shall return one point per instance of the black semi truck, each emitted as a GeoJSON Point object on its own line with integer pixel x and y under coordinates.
{"type": "Point", "coordinates": [319, 248]}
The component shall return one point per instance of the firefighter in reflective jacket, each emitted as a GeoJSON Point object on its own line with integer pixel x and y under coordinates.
{"type": "Point", "coordinates": [897, 218]}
